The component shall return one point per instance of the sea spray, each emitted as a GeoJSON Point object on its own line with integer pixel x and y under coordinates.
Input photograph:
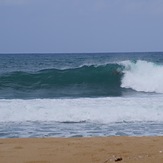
{"type": "Point", "coordinates": [143, 76]}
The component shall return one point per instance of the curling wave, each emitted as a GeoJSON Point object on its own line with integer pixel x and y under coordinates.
{"type": "Point", "coordinates": [143, 76]}
{"type": "Point", "coordinates": [112, 79]}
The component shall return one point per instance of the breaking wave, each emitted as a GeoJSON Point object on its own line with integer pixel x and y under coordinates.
{"type": "Point", "coordinates": [111, 79]}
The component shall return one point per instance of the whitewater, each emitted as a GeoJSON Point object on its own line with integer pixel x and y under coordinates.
{"type": "Point", "coordinates": [76, 95]}
{"type": "Point", "coordinates": [143, 76]}
{"type": "Point", "coordinates": [98, 110]}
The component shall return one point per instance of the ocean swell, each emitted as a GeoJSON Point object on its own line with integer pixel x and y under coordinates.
{"type": "Point", "coordinates": [104, 80]}
{"type": "Point", "coordinates": [112, 79]}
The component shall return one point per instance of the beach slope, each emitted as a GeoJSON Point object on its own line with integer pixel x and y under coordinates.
{"type": "Point", "coordinates": [82, 150]}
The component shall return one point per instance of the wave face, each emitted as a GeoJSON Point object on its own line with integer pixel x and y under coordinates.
{"type": "Point", "coordinates": [109, 79]}
{"type": "Point", "coordinates": [104, 80]}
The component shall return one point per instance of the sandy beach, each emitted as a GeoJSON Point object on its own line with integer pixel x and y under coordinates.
{"type": "Point", "coordinates": [82, 150]}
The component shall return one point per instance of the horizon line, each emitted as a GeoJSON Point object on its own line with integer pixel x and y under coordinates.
{"type": "Point", "coordinates": [80, 52]}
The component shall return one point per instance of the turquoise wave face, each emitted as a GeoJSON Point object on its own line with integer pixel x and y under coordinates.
{"type": "Point", "coordinates": [80, 75]}
{"type": "Point", "coordinates": [86, 81]}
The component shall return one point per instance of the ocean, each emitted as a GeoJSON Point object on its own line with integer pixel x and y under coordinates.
{"type": "Point", "coordinates": [81, 95]}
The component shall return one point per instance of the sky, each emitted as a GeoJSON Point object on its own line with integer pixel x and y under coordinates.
{"type": "Point", "coordinates": [81, 26]}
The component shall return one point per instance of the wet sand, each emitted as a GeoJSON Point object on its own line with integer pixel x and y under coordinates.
{"type": "Point", "coordinates": [82, 150]}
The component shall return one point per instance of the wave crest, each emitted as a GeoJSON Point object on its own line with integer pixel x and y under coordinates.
{"type": "Point", "coordinates": [143, 76]}
{"type": "Point", "coordinates": [112, 79]}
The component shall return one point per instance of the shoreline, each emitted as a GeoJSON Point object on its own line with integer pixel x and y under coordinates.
{"type": "Point", "coordinates": [146, 149]}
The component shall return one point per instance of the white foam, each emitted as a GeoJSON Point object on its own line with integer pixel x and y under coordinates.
{"type": "Point", "coordinates": [143, 76]}
{"type": "Point", "coordinates": [100, 110]}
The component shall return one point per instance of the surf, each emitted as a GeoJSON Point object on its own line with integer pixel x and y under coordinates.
{"type": "Point", "coordinates": [91, 110]}
{"type": "Point", "coordinates": [143, 76]}
{"type": "Point", "coordinates": [114, 79]}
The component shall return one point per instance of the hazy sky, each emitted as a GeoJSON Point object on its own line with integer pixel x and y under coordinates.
{"type": "Point", "coordinates": [81, 25]}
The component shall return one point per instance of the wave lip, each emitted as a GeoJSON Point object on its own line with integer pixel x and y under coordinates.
{"type": "Point", "coordinates": [143, 76]}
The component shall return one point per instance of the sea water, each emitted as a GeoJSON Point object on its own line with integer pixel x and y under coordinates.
{"type": "Point", "coordinates": [78, 95]}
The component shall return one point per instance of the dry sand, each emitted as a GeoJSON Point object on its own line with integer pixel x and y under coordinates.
{"type": "Point", "coordinates": [82, 150]}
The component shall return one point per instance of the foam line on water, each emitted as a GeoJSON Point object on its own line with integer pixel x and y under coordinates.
{"type": "Point", "coordinates": [100, 110]}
